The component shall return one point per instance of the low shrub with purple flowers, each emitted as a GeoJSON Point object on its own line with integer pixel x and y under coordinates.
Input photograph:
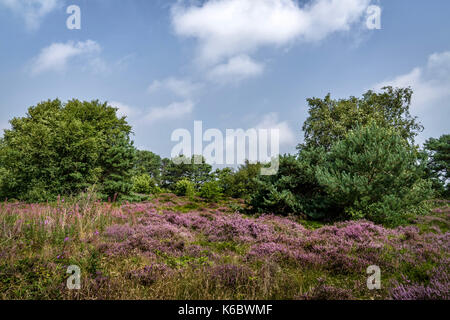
{"type": "Point", "coordinates": [188, 249]}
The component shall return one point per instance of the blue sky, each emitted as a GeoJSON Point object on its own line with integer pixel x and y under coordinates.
{"type": "Point", "coordinates": [229, 63]}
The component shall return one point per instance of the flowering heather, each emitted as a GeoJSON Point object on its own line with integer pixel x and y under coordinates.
{"type": "Point", "coordinates": [438, 287]}
{"type": "Point", "coordinates": [175, 248]}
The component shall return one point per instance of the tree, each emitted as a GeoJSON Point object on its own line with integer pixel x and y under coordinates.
{"type": "Point", "coordinates": [61, 149]}
{"type": "Point", "coordinates": [144, 184]}
{"type": "Point", "coordinates": [374, 174]}
{"type": "Point", "coordinates": [439, 163]}
{"type": "Point", "coordinates": [211, 191]}
{"type": "Point", "coordinates": [329, 120]}
{"type": "Point", "coordinates": [294, 189]}
{"type": "Point", "coordinates": [184, 187]}
{"type": "Point", "coordinates": [225, 179]}
{"type": "Point", "coordinates": [118, 162]}
{"type": "Point", "coordinates": [148, 163]}
{"type": "Point", "coordinates": [195, 170]}
{"type": "Point", "coordinates": [312, 181]}
{"type": "Point", "coordinates": [244, 182]}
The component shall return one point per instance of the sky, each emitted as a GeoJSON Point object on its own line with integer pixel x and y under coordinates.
{"type": "Point", "coordinates": [228, 63]}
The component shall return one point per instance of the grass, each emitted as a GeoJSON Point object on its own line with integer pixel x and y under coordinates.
{"type": "Point", "coordinates": [177, 248]}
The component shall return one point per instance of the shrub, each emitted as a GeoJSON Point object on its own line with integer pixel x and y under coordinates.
{"type": "Point", "coordinates": [294, 189]}
{"type": "Point", "coordinates": [194, 169]}
{"type": "Point", "coordinates": [184, 187]}
{"type": "Point", "coordinates": [144, 184]}
{"type": "Point", "coordinates": [374, 174]}
{"type": "Point", "coordinates": [211, 191]}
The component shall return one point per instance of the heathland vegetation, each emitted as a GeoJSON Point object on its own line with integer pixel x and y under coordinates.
{"type": "Point", "coordinates": [358, 192]}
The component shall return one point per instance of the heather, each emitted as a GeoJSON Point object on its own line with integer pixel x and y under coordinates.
{"type": "Point", "coordinates": [173, 247]}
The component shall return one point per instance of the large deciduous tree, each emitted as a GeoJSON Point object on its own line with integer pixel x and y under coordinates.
{"type": "Point", "coordinates": [329, 120]}
{"type": "Point", "coordinates": [62, 148]}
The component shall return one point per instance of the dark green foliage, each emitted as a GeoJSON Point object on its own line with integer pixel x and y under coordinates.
{"type": "Point", "coordinates": [118, 164]}
{"type": "Point", "coordinates": [60, 149]}
{"type": "Point", "coordinates": [239, 184]}
{"type": "Point", "coordinates": [358, 161]}
{"type": "Point", "coordinates": [330, 120]}
{"type": "Point", "coordinates": [374, 174]}
{"type": "Point", "coordinates": [294, 189]}
{"type": "Point", "coordinates": [195, 170]}
{"type": "Point", "coordinates": [148, 163]}
{"type": "Point", "coordinates": [439, 163]}
{"type": "Point", "coordinates": [225, 180]}
{"type": "Point", "coordinates": [244, 182]}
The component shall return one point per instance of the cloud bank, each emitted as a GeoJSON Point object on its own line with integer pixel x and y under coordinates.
{"type": "Point", "coordinates": [430, 83]}
{"type": "Point", "coordinates": [228, 31]}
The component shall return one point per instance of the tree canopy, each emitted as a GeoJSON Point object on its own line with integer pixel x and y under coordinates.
{"type": "Point", "coordinates": [330, 120]}
{"type": "Point", "coordinates": [62, 148]}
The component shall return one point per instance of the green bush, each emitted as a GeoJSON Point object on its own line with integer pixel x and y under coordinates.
{"type": "Point", "coordinates": [239, 184]}
{"type": "Point", "coordinates": [194, 169]}
{"type": "Point", "coordinates": [294, 189]}
{"type": "Point", "coordinates": [144, 184]}
{"type": "Point", "coordinates": [184, 187]}
{"type": "Point", "coordinates": [211, 191]}
{"type": "Point", "coordinates": [374, 174]}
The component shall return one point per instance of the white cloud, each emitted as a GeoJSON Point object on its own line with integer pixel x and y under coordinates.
{"type": "Point", "coordinates": [229, 28]}
{"type": "Point", "coordinates": [236, 68]}
{"type": "Point", "coordinates": [56, 56]}
{"type": "Point", "coordinates": [138, 116]}
{"type": "Point", "coordinates": [173, 111]}
{"type": "Point", "coordinates": [125, 110]}
{"type": "Point", "coordinates": [430, 83]}
{"type": "Point", "coordinates": [270, 121]}
{"type": "Point", "coordinates": [32, 11]}
{"type": "Point", "coordinates": [180, 87]}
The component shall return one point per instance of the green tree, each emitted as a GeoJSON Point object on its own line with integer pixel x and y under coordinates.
{"type": "Point", "coordinates": [375, 174]}
{"type": "Point", "coordinates": [329, 120]}
{"type": "Point", "coordinates": [225, 179]}
{"type": "Point", "coordinates": [244, 180]}
{"type": "Point", "coordinates": [294, 189]}
{"type": "Point", "coordinates": [148, 163]}
{"type": "Point", "coordinates": [194, 169]}
{"type": "Point", "coordinates": [211, 191]}
{"type": "Point", "coordinates": [439, 163]}
{"type": "Point", "coordinates": [184, 187]}
{"type": "Point", "coordinates": [297, 189]}
{"type": "Point", "coordinates": [118, 162]}
{"type": "Point", "coordinates": [144, 184]}
{"type": "Point", "coordinates": [63, 149]}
